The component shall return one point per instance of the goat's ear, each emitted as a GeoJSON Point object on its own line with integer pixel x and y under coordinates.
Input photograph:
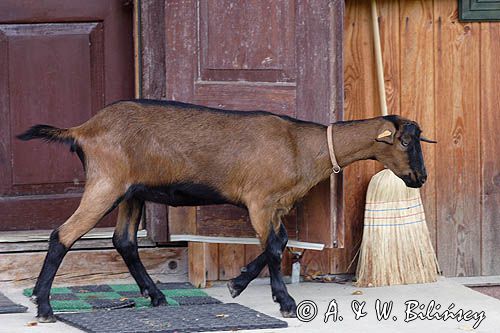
{"type": "Point", "coordinates": [386, 134]}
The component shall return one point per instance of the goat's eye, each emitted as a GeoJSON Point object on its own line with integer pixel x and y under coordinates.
{"type": "Point", "coordinates": [405, 143]}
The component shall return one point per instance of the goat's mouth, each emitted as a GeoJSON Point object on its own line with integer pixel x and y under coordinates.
{"type": "Point", "coordinates": [414, 184]}
{"type": "Point", "coordinates": [410, 182]}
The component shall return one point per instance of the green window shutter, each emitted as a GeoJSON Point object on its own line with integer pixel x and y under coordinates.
{"type": "Point", "coordinates": [479, 10]}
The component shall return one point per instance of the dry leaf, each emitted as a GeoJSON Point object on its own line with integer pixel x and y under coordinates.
{"type": "Point", "coordinates": [466, 328]}
{"type": "Point", "coordinates": [315, 274]}
{"type": "Point", "coordinates": [221, 315]}
{"type": "Point", "coordinates": [357, 292]}
{"type": "Point", "coordinates": [31, 323]}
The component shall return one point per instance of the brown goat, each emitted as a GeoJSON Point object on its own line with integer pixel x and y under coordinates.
{"type": "Point", "coordinates": [183, 154]}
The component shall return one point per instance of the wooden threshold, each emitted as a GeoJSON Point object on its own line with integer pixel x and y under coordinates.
{"type": "Point", "coordinates": [43, 235]}
{"type": "Point", "coordinates": [94, 266]}
{"type": "Point", "coordinates": [92, 259]}
{"type": "Point", "coordinates": [37, 240]}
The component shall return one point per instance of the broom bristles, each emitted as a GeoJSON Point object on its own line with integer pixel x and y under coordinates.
{"type": "Point", "coordinates": [396, 246]}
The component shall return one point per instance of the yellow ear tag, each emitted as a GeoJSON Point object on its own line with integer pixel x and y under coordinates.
{"type": "Point", "coordinates": [384, 134]}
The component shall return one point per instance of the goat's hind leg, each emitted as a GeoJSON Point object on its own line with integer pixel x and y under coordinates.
{"type": "Point", "coordinates": [125, 242]}
{"type": "Point", "coordinates": [274, 253]}
{"type": "Point", "coordinates": [248, 274]}
{"type": "Point", "coordinates": [96, 202]}
{"type": "Point", "coordinates": [265, 222]}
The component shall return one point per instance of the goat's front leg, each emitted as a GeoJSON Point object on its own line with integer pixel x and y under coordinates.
{"type": "Point", "coordinates": [96, 202]}
{"type": "Point", "coordinates": [265, 221]}
{"type": "Point", "coordinates": [125, 242]}
{"type": "Point", "coordinates": [252, 270]}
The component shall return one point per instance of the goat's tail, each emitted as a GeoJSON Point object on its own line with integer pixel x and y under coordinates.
{"type": "Point", "coordinates": [48, 133]}
{"type": "Point", "coordinates": [53, 134]}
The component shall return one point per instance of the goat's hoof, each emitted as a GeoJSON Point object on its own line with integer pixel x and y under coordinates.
{"type": "Point", "coordinates": [47, 319]}
{"type": "Point", "coordinates": [288, 309]}
{"type": "Point", "coordinates": [158, 301]}
{"type": "Point", "coordinates": [235, 292]}
{"type": "Point", "coordinates": [289, 314]}
{"type": "Point", "coordinates": [34, 299]}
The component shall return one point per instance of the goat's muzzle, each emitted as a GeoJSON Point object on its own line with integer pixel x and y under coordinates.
{"type": "Point", "coordinates": [414, 179]}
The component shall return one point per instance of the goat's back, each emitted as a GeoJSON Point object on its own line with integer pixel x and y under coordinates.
{"type": "Point", "coordinates": [152, 142]}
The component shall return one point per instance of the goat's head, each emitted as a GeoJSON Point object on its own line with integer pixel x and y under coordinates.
{"type": "Point", "coordinates": [398, 147]}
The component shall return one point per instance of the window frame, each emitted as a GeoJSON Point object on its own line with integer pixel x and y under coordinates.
{"type": "Point", "coordinates": [479, 11]}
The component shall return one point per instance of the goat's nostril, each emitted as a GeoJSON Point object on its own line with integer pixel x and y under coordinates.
{"type": "Point", "coordinates": [422, 178]}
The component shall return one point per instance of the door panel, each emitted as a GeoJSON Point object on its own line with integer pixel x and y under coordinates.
{"type": "Point", "coordinates": [245, 96]}
{"type": "Point", "coordinates": [60, 62]}
{"type": "Point", "coordinates": [278, 56]}
{"type": "Point", "coordinates": [65, 52]}
{"type": "Point", "coordinates": [247, 40]}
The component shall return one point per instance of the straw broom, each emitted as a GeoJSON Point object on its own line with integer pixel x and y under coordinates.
{"type": "Point", "coordinates": [396, 246]}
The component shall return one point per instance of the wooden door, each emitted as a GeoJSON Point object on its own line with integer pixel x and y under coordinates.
{"type": "Point", "coordinates": [279, 56]}
{"type": "Point", "coordinates": [60, 62]}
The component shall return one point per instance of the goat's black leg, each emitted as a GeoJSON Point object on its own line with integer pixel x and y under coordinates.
{"type": "Point", "coordinates": [274, 253]}
{"type": "Point", "coordinates": [125, 242]}
{"type": "Point", "coordinates": [252, 270]}
{"type": "Point", "coordinates": [41, 292]}
{"type": "Point", "coordinates": [96, 202]}
{"type": "Point", "coordinates": [248, 274]}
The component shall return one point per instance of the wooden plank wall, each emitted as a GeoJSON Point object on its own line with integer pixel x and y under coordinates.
{"type": "Point", "coordinates": [490, 148]}
{"type": "Point", "coordinates": [444, 74]}
{"type": "Point", "coordinates": [360, 101]}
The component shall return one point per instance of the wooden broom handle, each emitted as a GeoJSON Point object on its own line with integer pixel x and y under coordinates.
{"type": "Point", "coordinates": [378, 58]}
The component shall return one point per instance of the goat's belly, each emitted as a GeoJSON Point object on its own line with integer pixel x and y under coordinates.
{"type": "Point", "coordinates": [178, 194]}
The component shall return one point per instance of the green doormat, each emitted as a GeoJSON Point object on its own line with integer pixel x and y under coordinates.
{"type": "Point", "coordinates": [114, 296]}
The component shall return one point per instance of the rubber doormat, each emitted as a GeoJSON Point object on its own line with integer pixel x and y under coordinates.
{"type": "Point", "coordinates": [7, 306]}
{"type": "Point", "coordinates": [493, 291]}
{"type": "Point", "coordinates": [166, 319]}
{"type": "Point", "coordinates": [116, 296]}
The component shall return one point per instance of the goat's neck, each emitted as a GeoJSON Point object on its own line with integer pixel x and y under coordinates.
{"type": "Point", "coordinates": [353, 141]}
